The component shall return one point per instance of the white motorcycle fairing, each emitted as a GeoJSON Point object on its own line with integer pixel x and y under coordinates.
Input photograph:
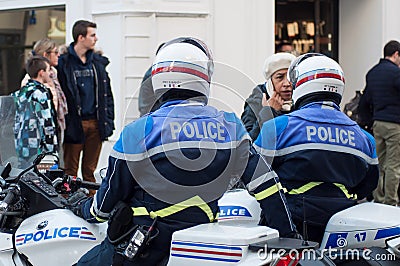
{"type": "Point", "coordinates": [228, 240]}
{"type": "Point", "coordinates": [67, 236]}
{"type": "Point", "coordinates": [219, 243]}
{"type": "Point", "coordinates": [364, 225]}
{"type": "Point", "coordinates": [7, 250]}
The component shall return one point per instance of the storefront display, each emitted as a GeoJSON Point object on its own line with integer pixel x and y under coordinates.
{"type": "Point", "coordinates": [19, 31]}
{"type": "Point", "coordinates": [309, 25]}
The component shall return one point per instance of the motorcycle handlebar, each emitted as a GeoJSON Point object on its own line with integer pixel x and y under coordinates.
{"type": "Point", "coordinates": [8, 200]}
{"type": "Point", "coordinates": [90, 185]}
{"type": "Point", "coordinates": [73, 180]}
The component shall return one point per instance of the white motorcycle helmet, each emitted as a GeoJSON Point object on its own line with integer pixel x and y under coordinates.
{"type": "Point", "coordinates": [183, 64]}
{"type": "Point", "coordinates": [317, 77]}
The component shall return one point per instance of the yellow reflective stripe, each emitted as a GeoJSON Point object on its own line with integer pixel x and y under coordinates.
{"type": "Point", "coordinates": [345, 191]}
{"type": "Point", "coordinates": [304, 188]}
{"type": "Point", "coordinates": [139, 211]}
{"type": "Point", "coordinates": [100, 220]}
{"type": "Point", "coordinates": [268, 192]}
{"type": "Point", "coordinates": [311, 185]}
{"type": "Point", "coordinates": [153, 215]}
{"type": "Point", "coordinates": [195, 201]}
{"type": "Point", "coordinates": [95, 215]}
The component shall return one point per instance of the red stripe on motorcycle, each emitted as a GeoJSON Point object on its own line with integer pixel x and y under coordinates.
{"type": "Point", "coordinates": [207, 252]}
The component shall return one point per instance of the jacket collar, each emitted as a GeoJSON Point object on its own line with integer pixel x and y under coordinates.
{"type": "Point", "coordinates": [89, 54]}
{"type": "Point", "coordinates": [321, 105]}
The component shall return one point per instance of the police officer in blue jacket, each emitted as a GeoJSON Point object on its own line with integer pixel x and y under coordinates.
{"type": "Point", "coordinates": [325, 161]}
{"type": "Point", "coordinates": [172, 165]}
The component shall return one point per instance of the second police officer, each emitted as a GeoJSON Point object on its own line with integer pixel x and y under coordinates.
{"type": "Point", "coordinates": [324, 160]}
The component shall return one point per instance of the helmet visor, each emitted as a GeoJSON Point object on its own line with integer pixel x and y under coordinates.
{"type": "Point", "coordinates": [293, 73]}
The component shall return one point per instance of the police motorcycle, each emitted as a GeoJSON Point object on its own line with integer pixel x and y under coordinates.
{"type": "Point", "coordinates": [365, 234]}
{"type": "Point", "coordinates": [35, 226]}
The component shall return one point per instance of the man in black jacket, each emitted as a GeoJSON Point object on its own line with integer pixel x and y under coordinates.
{"type": "Point", "coordinates": [381, 98]}
{"type": "Point", "coordinates": [86, 84]}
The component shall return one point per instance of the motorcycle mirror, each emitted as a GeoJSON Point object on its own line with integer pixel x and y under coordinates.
{"type": "Point", "coordinates": [4, 174]}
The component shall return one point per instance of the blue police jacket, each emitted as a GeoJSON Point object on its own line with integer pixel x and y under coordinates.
{"type": "Point", "coordinates": [175, 163]}
{"type": "Point", "coordinates": [317, 150]}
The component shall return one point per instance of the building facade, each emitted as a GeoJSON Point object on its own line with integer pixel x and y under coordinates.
{"type": "Point", "coordinates": [241, 34]}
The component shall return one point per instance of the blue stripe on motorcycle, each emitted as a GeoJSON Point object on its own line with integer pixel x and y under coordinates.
{"type": "Point", "coordinates": [336, 240]}
{"type": "Point", "coordinates": [88, 238]}
{"type": "Point", "coordinates": [204, 258]}
{"type": "Point", "coordinates": [384, 233]}
{"type": "Point", "coordinates": [204, 245]}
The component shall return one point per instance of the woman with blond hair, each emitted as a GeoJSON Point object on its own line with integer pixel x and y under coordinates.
{"type": "Point", "coordinates": [48, 48]}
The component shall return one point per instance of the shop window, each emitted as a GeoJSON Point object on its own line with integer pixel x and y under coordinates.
{"type": "Point", "coordinates": [11, 59]}
{"type": "Point", "coordinates": [19, 30]}
{"type": "Point", "coordinates": [309, 25]}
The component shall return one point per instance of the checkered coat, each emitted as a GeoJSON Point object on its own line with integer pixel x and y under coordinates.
{"type": "Point", "coordinates": [34, 129]}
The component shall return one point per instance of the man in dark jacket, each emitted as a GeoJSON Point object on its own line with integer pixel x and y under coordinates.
{"type": "Point", "coordinates": [86, 84]}
{"type": "Point", "coordinates": [272, 98]}
{"type": "Point", "coordinates": [323, 158]}
{"type": "Point", "coordinates": [381, 98]}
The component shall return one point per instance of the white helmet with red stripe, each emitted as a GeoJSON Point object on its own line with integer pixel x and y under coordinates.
{"type": "Point", "coordinates": [316, 75]}
{"type": "Point", "coordinates": [182, 64]}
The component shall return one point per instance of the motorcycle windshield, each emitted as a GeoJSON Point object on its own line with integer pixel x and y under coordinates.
{"type": "Point", "coordinates": [20, 140]}
{"type": "Point", "coordinates": [7, 140]}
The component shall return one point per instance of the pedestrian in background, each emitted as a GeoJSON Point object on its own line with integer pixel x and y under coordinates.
{"type": "Point", "coordinates": [285, 47]}
{"type": "Point", "coordinates": [381, 98]}
{"type": "Point", "coordinates": [48, 48]}
{"type": "Point", "coordinates": [86, 84]}
{"type": "Point", "coordinates": [272, 98]}
{"type": "Point", "coordinates": [34, 128]}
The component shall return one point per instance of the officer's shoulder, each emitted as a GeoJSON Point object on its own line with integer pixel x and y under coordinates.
{"type": "Point", "coordinates": [230, 117]}
{"type": "Point", "coordinates": [141, 126]}
{"type": "Point", "coordinates": [132, 136]}
{"type": "Point", "coordinates": [279, 123]}
{"type": "Point", "coordinates": [370, 138]}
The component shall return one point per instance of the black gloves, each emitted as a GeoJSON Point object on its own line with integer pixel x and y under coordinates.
{"type": "Point", "coordinates": [76, 201]}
